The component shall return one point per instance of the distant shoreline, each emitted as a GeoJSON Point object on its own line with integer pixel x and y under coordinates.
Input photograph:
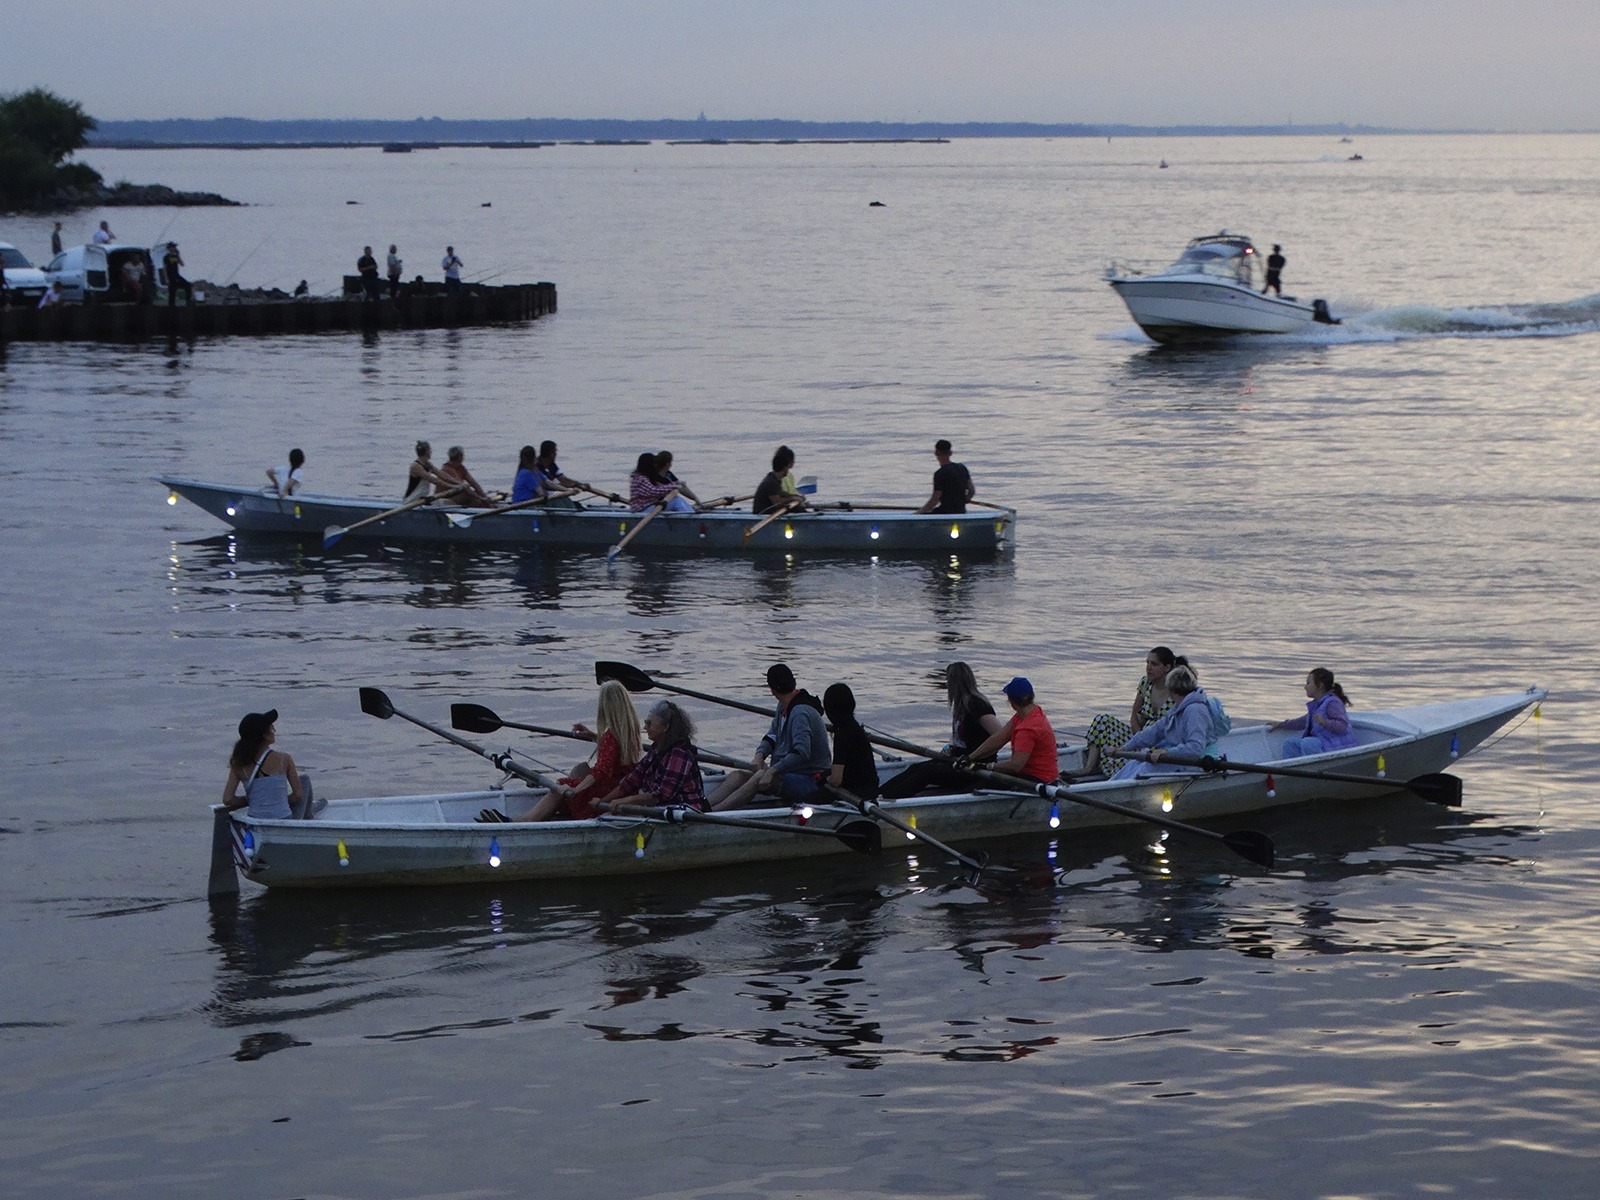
{"type": "Point", "coordinates": [241, 133]}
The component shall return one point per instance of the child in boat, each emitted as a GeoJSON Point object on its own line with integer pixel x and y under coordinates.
{"type": "Point", "coordinates": [1326, 725]}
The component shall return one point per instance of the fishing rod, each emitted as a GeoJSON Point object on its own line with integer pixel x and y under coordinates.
{"type": "Point", "coordinates": [247, 258]}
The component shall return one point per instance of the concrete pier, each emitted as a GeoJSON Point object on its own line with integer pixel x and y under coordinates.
{"type": "Point", "coordinates": [218, 317]}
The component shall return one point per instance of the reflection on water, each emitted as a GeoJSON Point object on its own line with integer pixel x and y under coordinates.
{"type": "Point", "coordinates": [807, 949]}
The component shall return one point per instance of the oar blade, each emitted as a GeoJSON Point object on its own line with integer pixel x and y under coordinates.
{"type": "Point", "coordinates": [862, 836]}
{"type": "Point", "coordinates": [460, 520]}
{"type": "Point", "coordinates": [376, 704]}
{"type": "Point", "coordinates": [1438, 788]}
{"type": "Point", "coordinates": [1248, 844]}
{"type": "Point", "coordinates": [474, 718]}
{"type": "Point", "coordinates": [628, 676]}
{"type": "Point", "coordinates": [331, 536]}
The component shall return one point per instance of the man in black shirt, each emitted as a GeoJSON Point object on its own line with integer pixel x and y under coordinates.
{"type": "Point", "coordinates": [952, 483]}
{"type": "Point", "coordinates": [367, 266]}
{"type": "Point", "coordinates": [1275, 264]}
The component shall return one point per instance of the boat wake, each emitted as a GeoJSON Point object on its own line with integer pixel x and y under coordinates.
{"type": "Point", "coordinates": [1417, 322]}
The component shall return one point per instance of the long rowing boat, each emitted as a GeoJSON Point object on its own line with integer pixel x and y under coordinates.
{"type": "Point", "coordinates": [843, 530]}
{"type": "Point", "coordinates": [434, 839]}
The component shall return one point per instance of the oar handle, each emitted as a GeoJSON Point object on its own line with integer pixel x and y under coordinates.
{"type": "Point", "coordinates": [649, 516]}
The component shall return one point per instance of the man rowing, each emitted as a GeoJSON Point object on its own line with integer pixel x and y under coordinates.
{"type": "Point", "coordinates": [791, 754]}
{"type": "Point", "coordinates": [552, 478]}
{"type": "Point", "coordinates": [952, 483]}
{"type": "Point", "coordinates": [455, 469]}
{"type": "Point", "coordinates": [777, 491]}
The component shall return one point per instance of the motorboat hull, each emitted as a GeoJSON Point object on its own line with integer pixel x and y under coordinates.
{"type": "Point", "coordinates": [433, 839]}
{"type": "Point", "coordinates": [1190, 310]}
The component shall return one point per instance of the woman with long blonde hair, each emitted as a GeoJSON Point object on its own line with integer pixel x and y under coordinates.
{"type": "Point", "coordinates": [618, 746]}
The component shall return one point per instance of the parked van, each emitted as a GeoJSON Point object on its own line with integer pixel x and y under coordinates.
{"type": "Point", "coordinates": [88, 273]}
{"type": "Point", "coordinates": [25, 283]}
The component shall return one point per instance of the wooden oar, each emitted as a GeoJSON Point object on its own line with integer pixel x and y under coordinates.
{"type": "Point", "coordinates": [996, 507]}
{"type": "Point", "coordinates": [872, 810]}
{"type": "Point", "coordinates": [594, 491]}
{"type": "Point", "coordinates": [464, 520]}
{"type": "Point", "coordinates": [782, 510]}
{"type": "Point", "coordinates": [725, 502]}
{"type": "Point", "coordinates": [1257, 847]}
{"type": "Point", "coordinates": [611, 554]}
{"type": "Point", "coordinates": [635, 680]}
{"type": "Point", "coordinates": [375, 703]}
{"type": "Point", "coordinates": [862, 836]}
{"type": "Point", "coordinates": [1438, 787]}
{"type": "Point", "coordinates": [475, 718]}
{"type": "Point", "coordinates": [332, 534]}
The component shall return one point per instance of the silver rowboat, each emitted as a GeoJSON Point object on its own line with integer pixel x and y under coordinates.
{"type": "Point", "coordinates": [433, 839]}
{"type": "Point", "coordinates": [862, 531]}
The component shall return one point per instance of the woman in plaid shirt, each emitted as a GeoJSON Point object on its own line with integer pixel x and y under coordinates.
{"type": "Point", "coordinates": [669, 772]}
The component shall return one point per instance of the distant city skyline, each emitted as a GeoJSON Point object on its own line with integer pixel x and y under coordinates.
{"type": "Point", "coordinates": [1468, 64]}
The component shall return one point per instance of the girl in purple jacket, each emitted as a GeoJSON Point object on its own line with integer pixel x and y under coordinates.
{"type": "Point", "coordinates": [1326, 725]}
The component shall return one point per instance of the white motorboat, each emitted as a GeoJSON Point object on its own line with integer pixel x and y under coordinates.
{"type": "Point", "coordinates": [1214, 290]}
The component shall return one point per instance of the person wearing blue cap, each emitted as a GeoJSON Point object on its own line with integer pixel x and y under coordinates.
{"type": "Point", "coordinates": [1033, 742]}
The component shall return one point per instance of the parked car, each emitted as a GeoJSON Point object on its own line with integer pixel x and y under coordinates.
{"type": "Point", "coordinates": [25, 283]}
{"type": "Point", "coordinates": [88, 273]}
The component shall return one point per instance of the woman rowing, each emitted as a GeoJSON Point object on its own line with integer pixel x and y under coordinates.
{"type": "Point", "coordinates": [262, 780]}
{"type": "Point", "coordinates": [1326, 725]}
{"type": "Point", "coordinates": [526, 485]}
{"type": "Point", "coordinates": [972, 719]}
{"type": "Point", "coordinates": [646, 489]}
{"type": "Point", "coordinates": [617, 749]}
{"type": "Point", "coordinates": [455, 469]}
{"type": "Point", "coordinates": [423, 477]}
{"type": "Point", "coordinates": [689, 501]}
{"type": "Point", "coordinates": [669, 772]}
{"type": "Point", "coordinates": [854, 769]}
{"type": "Point", "coordinates": [1151, 702]}
{"type": "Point", "coordinates": [1189, 730]}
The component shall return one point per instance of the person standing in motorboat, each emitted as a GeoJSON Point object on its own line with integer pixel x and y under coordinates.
{"type": "Point", "coordinates": [260, 779]}
{"type": "Point", "coordinates": [1275, 265]}
{"type": "Point", "coordinates": [1326, 725]}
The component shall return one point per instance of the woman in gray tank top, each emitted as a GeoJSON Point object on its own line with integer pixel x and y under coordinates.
{"type": "Point", "coordinates": [263, 780]}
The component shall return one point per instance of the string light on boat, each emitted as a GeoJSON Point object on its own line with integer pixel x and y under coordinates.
{"type": "Point", "coordinates": [1272, 787]}
{"type": "Point", "coordinates": [1166, 799]}
{"type": "Point", "coordinates": [788, 531]}
{"type": "Point", "coordinates": [494, 852]}
{"type": "Point", "coordinates": [703, 529]}
{"type": "Point", "coordinates": [536, 524]}
{"type": "Point", "coordinates": [911, 837]}
{"type": "Point", "coordinates": [172, 497]}
{"type": "Point", "coordinates": [1055, 815]}
{"type": "Point", "coordinates": [622, 527]}
{"type": "Point", "coordinates": [804, 812]}
{"type": "Point", "coordinates": [232, 510]}
{"type": "Point", "coordinates": [1455, 746]}
{"type": "Point", "coordinates": [1381, 768]}
{"type": "Point", "coordinates": [296, 512]}
{"type": "Point", "coordinates": [344, 855]}
{"type": "Point", "coordinates": [638, 844]}
{"type": "Point", "coordinates": [876, 533]}
{"type": "Point", "coordinates": [249, 844]}
{"type": "Point", "coordinates": [955, 531]}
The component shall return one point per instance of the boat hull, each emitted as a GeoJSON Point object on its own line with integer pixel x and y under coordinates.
{"type": "Point", "coordinates": [1186, 310]}
{"type": "Point", "coordinates": [431, 840]}
{"type": "Point", "coordinates": [857, 531]}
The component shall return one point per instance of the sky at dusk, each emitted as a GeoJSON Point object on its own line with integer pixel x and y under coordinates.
{"type": "Point", "coordinates": [1482, 64]}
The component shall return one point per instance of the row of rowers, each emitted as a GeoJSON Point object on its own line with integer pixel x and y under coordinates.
{"type": "Point", "coordinates": [794, 764]}
{"type": "Point", "coordinates": [652, 483]}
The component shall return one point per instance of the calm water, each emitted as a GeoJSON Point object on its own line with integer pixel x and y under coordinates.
{"type": "Point", "coordinates": [1404, 1008]}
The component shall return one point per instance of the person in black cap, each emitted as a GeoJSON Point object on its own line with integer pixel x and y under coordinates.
{"type": "Point", "coordinates": [1033, 742]}
{"type": "Point", "coordinates": [789, 757]}
{"type": "Point", "coordinates": [262, 779]}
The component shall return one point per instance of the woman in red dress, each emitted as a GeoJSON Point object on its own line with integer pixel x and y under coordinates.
{"type": "Point", "coordinates": [617, 749]}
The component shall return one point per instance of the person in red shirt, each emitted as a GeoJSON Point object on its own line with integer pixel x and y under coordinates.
{"type": "Point", "coordinates": [1033, 742]}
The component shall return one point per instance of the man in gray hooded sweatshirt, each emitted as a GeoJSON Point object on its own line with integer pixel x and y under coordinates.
{"type": "Point", "coordinates": [793, 751]}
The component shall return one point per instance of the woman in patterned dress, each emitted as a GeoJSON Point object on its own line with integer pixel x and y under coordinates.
{"type": "Point", "coordinates": [1151, 702]}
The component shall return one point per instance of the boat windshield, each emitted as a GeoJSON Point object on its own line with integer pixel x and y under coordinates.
{"type": "Point", "coordinates": [1235, 260]}
{"type": "Point", "coordinates": [11, 257]}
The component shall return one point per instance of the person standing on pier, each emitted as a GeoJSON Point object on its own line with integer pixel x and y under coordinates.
{"type": "Point", "coordinates": [172, 264]}
{"type": "Point", "coordinates": [367, 268]}
{"type": "Point", "coordinates": [452, 265]}
{"type": "Point", "coordinates": [103, 236]}
{"type": "Point", "coordinates": [55, 239]}
{"type": "Point", "coordinates": [396, 269]}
